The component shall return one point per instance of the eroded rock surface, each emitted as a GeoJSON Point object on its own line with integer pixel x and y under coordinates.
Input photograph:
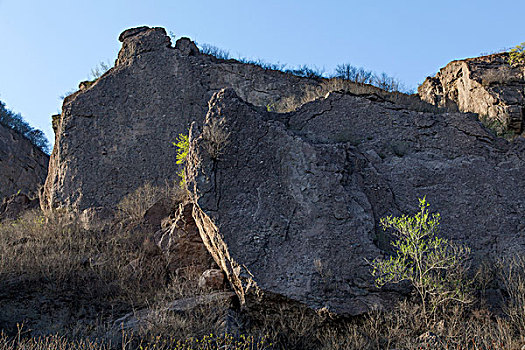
{"type": "Point", "coordinates": [114, 135]}
{"type": "Point", "coordinates": [290, 208]}
{"type": "Point", "coordinates": [23, 167]}
{"type": "Point", "coordinates": [486, 85]}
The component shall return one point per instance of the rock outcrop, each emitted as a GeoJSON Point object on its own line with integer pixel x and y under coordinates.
{"type": "Point", "coordinates": [289, 206]}
{"type": "Point", "coordinates": [23, 167]}
{"type": "Point", "coordinates": [115, 135]}
{"type": "Point", "coordinates": [486, 85]}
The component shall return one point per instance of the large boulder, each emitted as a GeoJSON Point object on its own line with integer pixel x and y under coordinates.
{"type": "Point", "coordinates": [486, 85]}
{"type": "Point", "coordinates": [289, 204]}
{"type": "Point", "coordinates": [115, 134]}
{"type": "Point", "coordinates": [23, 167]}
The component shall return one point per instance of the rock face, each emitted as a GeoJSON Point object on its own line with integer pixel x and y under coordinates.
{"type": "Point", "coordinates": [115, 134]}
{"type": "Point", "coordinates": [23, 167]}
{"type": "Point", "coordinates": [485, 85]}
{"type": "Point", "coordinates": [180, 238]}
{"type": "Point", "coordinates": [290, 205]}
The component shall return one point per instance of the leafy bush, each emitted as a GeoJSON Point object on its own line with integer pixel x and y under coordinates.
{"type": "Point", "coordinates": [434, 266]}
{"type": "Point", "coordinates": [517, 55]}
{"type": "Point", "coordinates": [14, 121]}
{"type": "Point", "coordinates": [182, 149]}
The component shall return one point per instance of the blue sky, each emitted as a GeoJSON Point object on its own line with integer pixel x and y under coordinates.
{"type": "Point", "coordinates": [48, 47]}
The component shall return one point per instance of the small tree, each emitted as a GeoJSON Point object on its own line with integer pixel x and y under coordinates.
{"type": "Point", "coordinates": [433, 265]}
{"type": "Point", "coordinates": [182, 149]}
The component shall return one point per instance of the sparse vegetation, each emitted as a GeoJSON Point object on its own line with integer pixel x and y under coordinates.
{"type": "Point", "coordinates": [99, 70]}
{"type": "Point", "coordinates": [14, 121]}
{"type": "Point", "coordinates": [216, 138]}
{"type": "Point", "coordinates": [307, 72]}
{"type": "Point", "coordinates": [517, 55]}
{"type": "Point", "coordinates": [132, 207]}
{"type": "Point", "coordinates": [497, 126]}
{"type": "Point", "coordinates": [311, 93]}
{"type": "Point", "coordinates": [215, 51]}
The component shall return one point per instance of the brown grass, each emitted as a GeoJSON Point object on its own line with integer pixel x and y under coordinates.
{"type": "Point", "coordinates": [133, 206]}
{"type": "Point", "coordinates": [110, 268]}
{"type": "Point", "coordinates": [311, 93]}
{"type": "Point", "coordinates": [216, 138]}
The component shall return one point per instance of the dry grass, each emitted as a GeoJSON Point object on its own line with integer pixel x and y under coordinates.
{"type": "Point", "coordinates": [216, 137]}
{"type": "Point", "coordinates": [110, 267]}
{"type": "Point", "coordinates": [512, 273]}
{"type": "Point", "coordinates": [57, 248]}
{"type": "Point", "coordinates": [207, 342]}
{"type": "Point", "coordinates": [311, 93]}
{"type": "Point", "coordinates": [134, 205]}
{"type": "Point", "coordinates": [52, 342]}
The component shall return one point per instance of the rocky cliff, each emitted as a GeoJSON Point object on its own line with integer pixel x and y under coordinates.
{"type": "Point", "coordinates": [486, 85]}
{"type": "Point", "coordinates": [23, 167]}
{"type": "Point", "coordinates": [290, 205]}
{"type": "Point", "coordinates": [115, 135]}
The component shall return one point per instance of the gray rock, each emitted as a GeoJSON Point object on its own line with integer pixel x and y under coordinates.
{"type": "Point", "coordinates": [116, 133]}
{"type": "Point", "coordinates": [181, 239]}
{"type": "Point", "coordinates": [486, 85]}
{"type": "Point", "coordinates": [212, 279]}
{"type": "Point", "coordinates": [291, 209]}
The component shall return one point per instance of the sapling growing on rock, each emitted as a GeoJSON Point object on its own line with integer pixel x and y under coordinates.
{"type": "Point", "coordinates": [433, 265]}
{"type": "Point", "coordinates": [182, 148]}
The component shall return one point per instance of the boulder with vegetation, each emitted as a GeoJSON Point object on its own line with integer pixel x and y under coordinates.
{"type": "Point", "coordinates": [290, 205]}
{"type": "Point", "coordinates": [491, 86]}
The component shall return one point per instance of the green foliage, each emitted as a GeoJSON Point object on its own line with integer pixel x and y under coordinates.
{"type": "Point", "coordinates": [14, 121]}
{"type": "Point", "coordinates": [517, 55]}
{"type": "Point", "coordinates": [433, 265]}
{"type": "Point", "coordinates": [183, 148]}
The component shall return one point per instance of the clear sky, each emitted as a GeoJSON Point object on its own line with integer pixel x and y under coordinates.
{"type": "Point", "coordinates": [48, 47]}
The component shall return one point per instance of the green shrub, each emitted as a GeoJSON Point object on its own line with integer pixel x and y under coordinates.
{"type": "Point", "coordinates": [517, 55]}
{"type": "Point", "coordinates": [433, 265]}
{"type": "Point", "coordinates": [183, 148]}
